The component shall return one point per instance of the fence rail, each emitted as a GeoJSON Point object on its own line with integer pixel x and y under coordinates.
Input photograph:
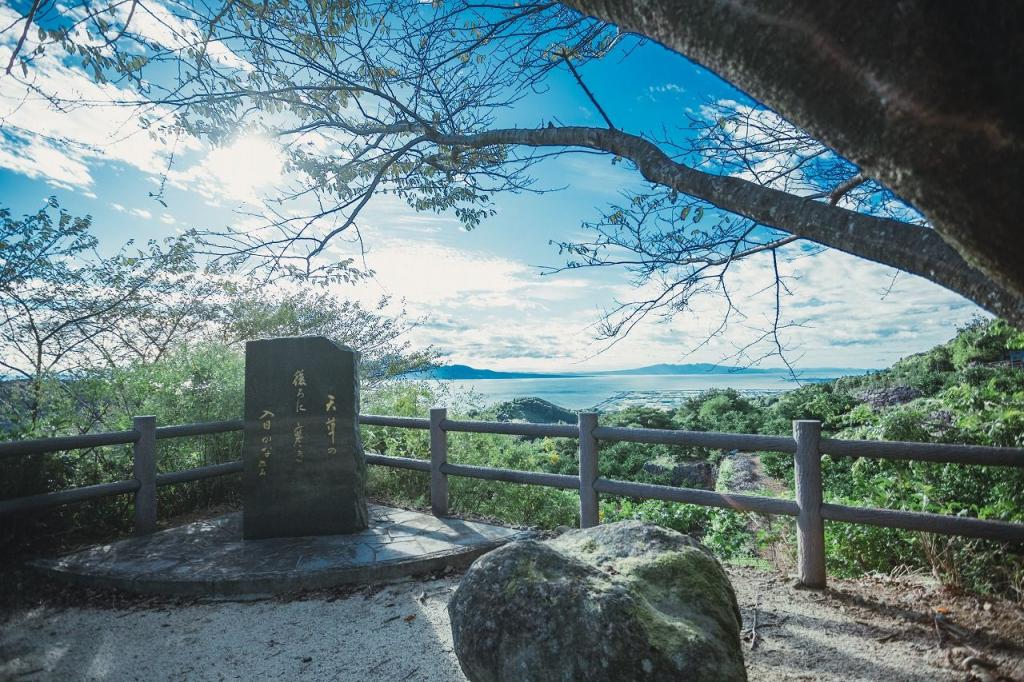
{"type": "Point", "coordinates": [806, 445]}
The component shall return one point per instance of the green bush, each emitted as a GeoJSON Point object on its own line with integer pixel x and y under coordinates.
{"type": "Point", "coordinates": [199, 384]}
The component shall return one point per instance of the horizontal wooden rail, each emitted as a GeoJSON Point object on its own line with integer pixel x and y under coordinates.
{"type": "Point", "coordinates": [398, 422]}
{"type": "Point", "coordinates": [940, 453]}
{"type": "Point", "coordinates": [1002, 531]}
{"type": "Point", "coordinates": [88, 492]}
{"type": "Point", "coordinates": [513, 428]}
{"type": "Point", "coordinates": [398, 462]}
{"type": "Point", "coordinates": [706, 498]}
{"type": "Point", "coordinates": [205, 429]}
{"type": "Point", "coordinates": [562, 481]}
{"type": "Point", "coordinates": [21, 448]}
{"type": "Point", "coordinates": [707, 439]}
{"type": "Point", "coordinates": [199, 473]}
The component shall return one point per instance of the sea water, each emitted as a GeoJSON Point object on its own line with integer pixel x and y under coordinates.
{"type": "Point", "coordinates": [583, 392]}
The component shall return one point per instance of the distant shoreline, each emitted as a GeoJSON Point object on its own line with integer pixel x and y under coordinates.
{"type": "Point", "coordinates": [467, 373]}
{"type": "Point", "coordinates": [609, 391]}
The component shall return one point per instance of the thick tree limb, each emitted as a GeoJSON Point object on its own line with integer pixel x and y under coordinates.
{"type": "Point", "coordinates": [911, 248]}
{"type": "Point", "coordinates": [923, 96]}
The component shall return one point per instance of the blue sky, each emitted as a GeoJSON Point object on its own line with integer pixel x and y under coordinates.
{"type": "Point", "coordinates": [480, 294]}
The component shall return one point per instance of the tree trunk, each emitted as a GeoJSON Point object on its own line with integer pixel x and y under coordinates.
{"type": "Point", "coordinates": [924, 96]}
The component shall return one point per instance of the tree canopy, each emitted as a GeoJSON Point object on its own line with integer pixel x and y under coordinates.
{"type": "Point", "coordinates": [68, 311]}
{"type": "Point", "coordinates": [419, 101]}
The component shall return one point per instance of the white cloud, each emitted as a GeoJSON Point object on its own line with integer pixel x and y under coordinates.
{"type": "Point", "coordinates": [666, 87]}
{"type": "Point", "coordinates": [431, 273]}
{"type": "Point", "coordinates": [493, 311]}
{"type": "Point", "coordinates": [843, 310]}
{"type": "Point", "coordinates": [240, 171]}
{"type": "Point", "coordinates": [60, 143]}
{"type": "Point", "coordinates": [142, 213]}
{"type": "Point", "coordinates": [481, 308]}
{"type": "Point", "coordinates": [38, 158]}
{"type": "Point", "coordinates": [160, 25]}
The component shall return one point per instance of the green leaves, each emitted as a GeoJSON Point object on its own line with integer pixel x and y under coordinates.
{"type": "Point", "coordinates": [698, 213]}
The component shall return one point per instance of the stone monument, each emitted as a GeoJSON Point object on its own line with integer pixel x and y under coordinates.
{"type": "Point", "coordinates": [304, 472]}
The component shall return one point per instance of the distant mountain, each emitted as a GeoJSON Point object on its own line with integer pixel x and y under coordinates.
{"type": "Point", "coordinates": [696, 368]}
{"type": "Point", "coordinates": [707, 368]}
{"type": "Point", "coordinates": [467, 372]}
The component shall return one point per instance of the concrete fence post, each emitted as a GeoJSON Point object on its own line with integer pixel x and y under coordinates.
{"type": "Point", "coordinates": [438, 458]}
{"type": "Point", "coordinates": [144, 471]}
{"type": "Point", "coordinates": [589, 516]}
{"type": "Point", "coordinates": [810, 527]}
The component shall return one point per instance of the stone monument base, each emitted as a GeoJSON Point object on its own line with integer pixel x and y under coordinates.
{"type": "Point", "coordinates": [209, 558]}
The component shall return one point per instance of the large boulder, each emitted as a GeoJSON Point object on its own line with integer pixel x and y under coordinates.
{"type": "Point", "coordinates": [618, 602]}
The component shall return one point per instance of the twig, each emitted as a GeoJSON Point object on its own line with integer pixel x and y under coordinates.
{"type": "Point", "coordinates": [840, 191]}
{"type": "Point", "coordinates": [754, 636]}
{"type": "Point", "coordinates": [938, 629]}
{"type": "Point", "coordinates": [579, 79]}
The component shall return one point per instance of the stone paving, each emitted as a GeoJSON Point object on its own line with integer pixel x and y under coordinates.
{"type": "Point", "coordinates": [209, 558]}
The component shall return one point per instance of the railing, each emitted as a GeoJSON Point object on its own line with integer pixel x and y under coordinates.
{"type": "Point", "coordinates": [806, 445]}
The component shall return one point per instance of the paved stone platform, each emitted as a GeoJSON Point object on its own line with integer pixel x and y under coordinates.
{"type": "Point", "coordinates": [209, 558]}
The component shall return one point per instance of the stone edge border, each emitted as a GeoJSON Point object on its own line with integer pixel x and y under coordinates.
{"type": "Point", "coordinates": [267, 585]}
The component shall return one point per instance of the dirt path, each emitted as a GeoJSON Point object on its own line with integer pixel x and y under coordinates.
{"type": "Point", "coordinates": [876, 629]}
{"type": "Point", "coordinates": [743, 472]}
{"type": "Point", "coordinates": [747, 475]}
{"type": "Point", "coordinates": [866, 630]}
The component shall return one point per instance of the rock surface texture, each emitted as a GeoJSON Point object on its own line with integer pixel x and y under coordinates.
{"type": "Point", "coordinates": [697, 474]}
{"type": "Point", "coordinates": [623, 601]}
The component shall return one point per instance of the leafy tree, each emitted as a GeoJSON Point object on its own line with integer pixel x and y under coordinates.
{"type": "Point", "coordinates": [254, 312]}
{"type": "Point", "coordinates": [71, 319]}
{"type": "Point", "coordinates": [59, 298]}
{"type": "Point", "coordinates": [182, 310]}
{"type": "Point", "coordinates": [418, 101]}
{"type": "Point", "coordinates": [982, 341]}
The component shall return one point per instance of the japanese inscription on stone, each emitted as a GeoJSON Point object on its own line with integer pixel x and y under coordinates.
{"type": "Point", "coordinates": [304, 470]}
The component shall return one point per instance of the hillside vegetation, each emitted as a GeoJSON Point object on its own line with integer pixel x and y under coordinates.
{"type": "Point", "coordinates": [958, 392]}
{"type": "Point", "coordinates": [950, 394]}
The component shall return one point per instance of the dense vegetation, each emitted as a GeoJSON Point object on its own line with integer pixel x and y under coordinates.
{"type": "Point", "coordinates": [88, 340]}
{"type": "Point", "coordinates": [958, 392]}
{"type": "Point", "coordinates": [954, 393]}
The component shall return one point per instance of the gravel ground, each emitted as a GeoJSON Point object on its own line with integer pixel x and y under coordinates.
{"type": "Point", "coordinates": [858, 630]}
{"type": "Point", "coordinates": [400, 632]}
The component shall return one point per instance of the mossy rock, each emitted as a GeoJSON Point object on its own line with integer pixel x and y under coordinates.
{"type": "Point", "coordinates": [623, 601]}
